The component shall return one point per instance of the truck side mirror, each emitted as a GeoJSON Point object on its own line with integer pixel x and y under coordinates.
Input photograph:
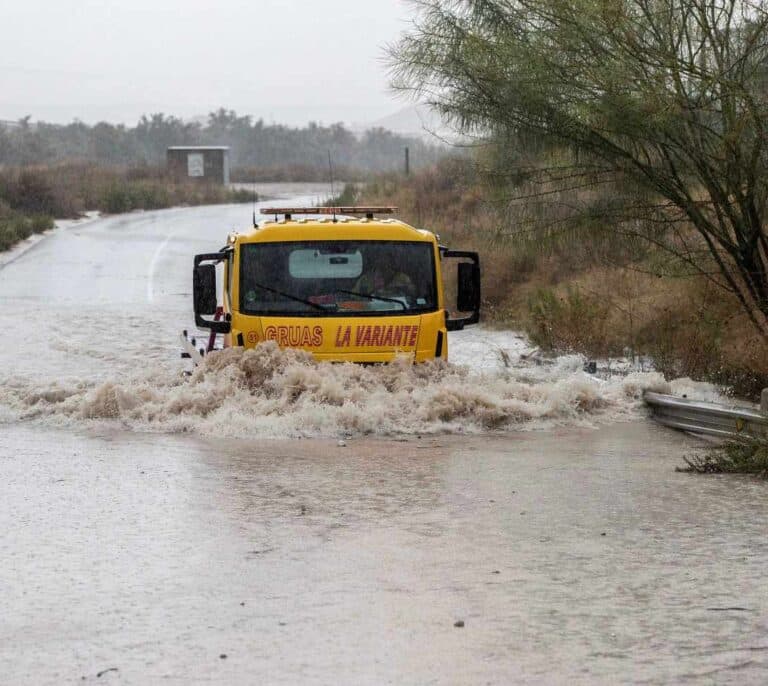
{"type": "Point", "coordinates": [204, 297]}
{"type": "Point", "coordinates": [468, 298]}
{"type": "Point", "coordinates": [468, 295]}
{"type": "Point", "coordinates": [204, 289]}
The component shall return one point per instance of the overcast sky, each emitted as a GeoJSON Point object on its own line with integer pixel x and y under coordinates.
{"type": "Point", "coordinates": [290, 61]}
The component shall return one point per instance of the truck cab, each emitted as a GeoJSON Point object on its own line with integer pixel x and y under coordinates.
{"type": "Point", "coordinates": [344, 288]}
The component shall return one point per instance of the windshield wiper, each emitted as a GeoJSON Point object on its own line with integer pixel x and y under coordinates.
{"type": "Point", "coordinates": [372, 296]}
{"type": "Point", "coordinates": [288, 296]}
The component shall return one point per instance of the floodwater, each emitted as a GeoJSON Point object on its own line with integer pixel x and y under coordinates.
{"type": "Point", "coordinates": [157, 529]}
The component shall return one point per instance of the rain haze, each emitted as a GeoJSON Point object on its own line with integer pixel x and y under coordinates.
{"type": "Point", "coordinates": [287, 62]}
{"type": "Point", "coordinates": [294, 391]}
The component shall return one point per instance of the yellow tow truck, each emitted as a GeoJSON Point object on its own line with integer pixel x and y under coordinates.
{"type": "Point", "coordinates": [338, 282]}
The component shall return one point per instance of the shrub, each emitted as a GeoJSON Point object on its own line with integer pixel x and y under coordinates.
{"type": "Point", "coordinates": [575, 321]}
{"type": "Point", "coordinates": [347, 197]}
{"type": "Point", "coordinates": [748, 456]}
{"type": "Point", "coordinates": [15, 227]}
{"type": "Point", "coordinates": [30, 196]}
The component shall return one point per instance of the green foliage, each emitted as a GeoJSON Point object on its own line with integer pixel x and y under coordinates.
{"type": "Point", "coordinates": [662, 102]}
{"type": "Point", "coordinates": [346, 198]}
{"type": "Point", "coordinates": [749, 456]}
{"type": "Point", "coordinates": [242, 195]}
{"type": "Point", "coordinates": [573, 322]}
{"type": "Point", "coordinates": [32, 193]}
{"type": "Point", "coordinates": [544, 307]}
{"type": "Point", "coordinates": [15, 227]}
{"type": "Point", "coordinates": [30, 196]}
{"type": "Point", "coordinates": [704, 334]}
{"type": "Point", "coordinates": [286, 153]}
{"type": "Point", "coordinates": [133, 195]}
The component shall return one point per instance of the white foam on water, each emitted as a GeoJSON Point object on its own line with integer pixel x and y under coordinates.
{"type": "Point", "coordinates": [269, 392]}
{"type": "Point", "coordinates": [697, 390]}
{"type": "Point", "coordinates": [486, 349]}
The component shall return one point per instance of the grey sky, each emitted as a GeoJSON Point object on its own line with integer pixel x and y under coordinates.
{"type": "Point", "coordinates": [285, 60]}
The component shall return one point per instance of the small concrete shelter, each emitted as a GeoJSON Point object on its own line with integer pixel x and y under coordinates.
{"type": "Point", "coordinates": [203, 163]}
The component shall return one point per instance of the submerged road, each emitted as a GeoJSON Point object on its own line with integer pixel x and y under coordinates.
{"type": "Point", "coordinates": [571, 554]}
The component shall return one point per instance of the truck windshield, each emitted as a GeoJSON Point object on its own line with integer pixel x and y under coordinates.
{"type": "Point", "coordinates": [337, 278]}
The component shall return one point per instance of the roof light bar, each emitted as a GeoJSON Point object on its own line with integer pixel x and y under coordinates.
{"type": "Point", "coordinates": [328, 210]}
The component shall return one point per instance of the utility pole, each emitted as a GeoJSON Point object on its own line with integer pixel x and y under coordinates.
{"type": "Point", "coordinates": [407, 161]}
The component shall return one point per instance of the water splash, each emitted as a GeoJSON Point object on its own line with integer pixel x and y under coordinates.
{"type": "Point", "coordinates": [269, 392]}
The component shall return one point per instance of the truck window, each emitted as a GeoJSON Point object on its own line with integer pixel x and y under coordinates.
{"type": "Point", "coordinates": [312, 263]}
{"type": "Point", "coordinates": [337, 278]}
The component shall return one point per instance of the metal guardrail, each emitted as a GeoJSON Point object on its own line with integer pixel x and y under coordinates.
{"type": "Point", "coordinates": [707, 418]}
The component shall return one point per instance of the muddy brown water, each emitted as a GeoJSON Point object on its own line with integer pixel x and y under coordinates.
{"type": "Point", "coordinates": [575, 556]}
{"type": "Point", "coordinates": [150, 537]}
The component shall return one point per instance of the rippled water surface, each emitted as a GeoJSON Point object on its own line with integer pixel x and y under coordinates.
{"type": "Point", "coordinates": [153, 524]}
{"type": "Point", "coordinates": [574, 556]}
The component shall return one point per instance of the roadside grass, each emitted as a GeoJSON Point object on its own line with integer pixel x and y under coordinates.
{"type": "Point", "coordinates": [347, 198]}
{"type": "Point", "coordinates": [31, 196]}
{"type": "Point", "coordinates": [15, 227]}
{"type": "Point", "coordinates": [749, 456]}
{"type": "Point", "coordinates": [579, 286]}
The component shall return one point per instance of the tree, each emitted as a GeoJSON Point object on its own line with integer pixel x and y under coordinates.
{"type": "Point", "coordinates": [666, 98]}
{"type": "Point", "coordinates": [284, 149]}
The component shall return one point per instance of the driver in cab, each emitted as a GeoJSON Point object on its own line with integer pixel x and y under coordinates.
{"type": "Point", "coordinates": [384, 279]}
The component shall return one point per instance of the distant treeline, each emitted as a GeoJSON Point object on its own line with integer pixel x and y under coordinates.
{"type": "Point", "coordinates": [254, 144]}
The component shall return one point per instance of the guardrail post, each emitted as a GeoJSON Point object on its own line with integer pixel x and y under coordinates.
{"type": "Point", "coordinates": [764, 401]}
